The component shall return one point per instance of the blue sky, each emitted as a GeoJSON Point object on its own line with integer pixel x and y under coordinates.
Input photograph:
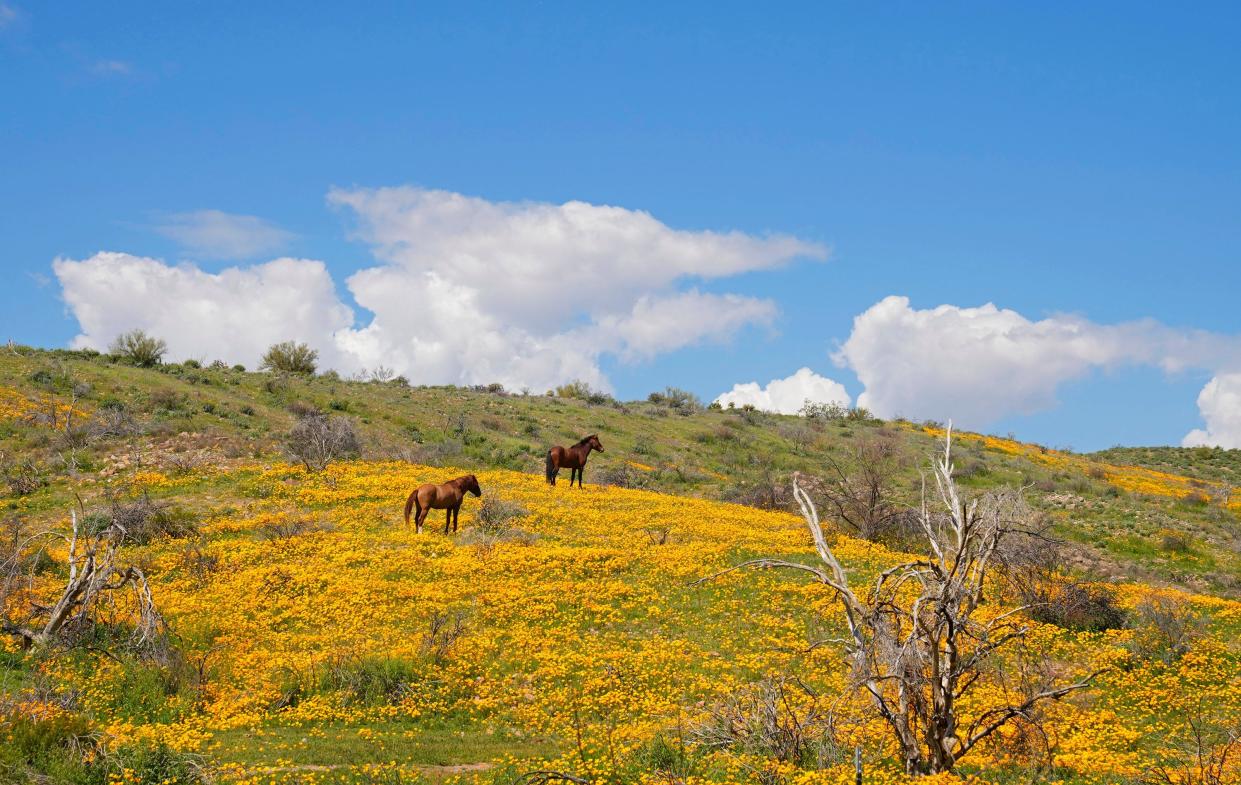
{"type": "Point", "coordinates": [1052, 159]}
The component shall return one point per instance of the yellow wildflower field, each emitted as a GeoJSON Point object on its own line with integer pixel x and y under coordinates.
{"type": "Point", "coordinates": [1137, 479]}
{"type": "Point", "coordinates": [313, 617]}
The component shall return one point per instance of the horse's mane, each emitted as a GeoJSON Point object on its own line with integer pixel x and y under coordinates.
{"type": "Point", "coordinates": [583, 440]}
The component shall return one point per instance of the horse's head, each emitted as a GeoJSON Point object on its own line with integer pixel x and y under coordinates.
{"type": "Point", "coordinates": [592, 441]}
{"type": "Point", "coordinates": [471, 485]}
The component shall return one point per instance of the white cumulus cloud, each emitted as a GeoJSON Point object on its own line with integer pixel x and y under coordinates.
{"type": "Point", "coordinates": [463, 290]}
{"type": "Point", "coordinates": [234, 314]}
{"type": "Point", "coordinates": [979, 364]}
{"type": "Point", "coordinates": [788, 395]}
{"type": "Point", "coordinates": [213, 234]}
{"type": "Point", "coordinates": [1220, 406]}
{"type": "Point", "coordinates": [531, 294]}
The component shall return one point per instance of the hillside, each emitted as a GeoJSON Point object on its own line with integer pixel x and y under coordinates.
{"type": "Point", "coordinates": [1118, 508]}
{"type": "Point", "coordinates": [311, 637]}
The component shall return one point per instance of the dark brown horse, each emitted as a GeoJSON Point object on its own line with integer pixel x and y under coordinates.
{"type": "Point", "coordinates": [571, 458]}
{"type": "Point", "coordinates": [441, 497]}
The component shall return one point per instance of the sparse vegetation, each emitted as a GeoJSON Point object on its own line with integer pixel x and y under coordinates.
{"type": "Point", "coordinates": [554, 617]}
{"type": "Point", "coordinates": [318, 439]}
{"type": "Point", "coordinates": [135, 346]}
{"type": "Point", "coordinates": [290, 357]}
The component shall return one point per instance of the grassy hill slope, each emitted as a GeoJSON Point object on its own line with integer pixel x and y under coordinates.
{"type": "Point", "coordinates": [1130, 515]}
{"type": "Point", "coordinates": [312, 637]}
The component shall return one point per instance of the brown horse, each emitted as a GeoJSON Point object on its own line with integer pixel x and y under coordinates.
{"type": "Point", "coordinates": [441, 497]}
{"type": "Point", "coordinates": [571, 458]}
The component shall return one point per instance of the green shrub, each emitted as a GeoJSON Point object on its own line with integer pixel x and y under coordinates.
{"type": "Point", "coordinates": [682, 401]}
{"type": "Point", "coordinates": [1174, 541]}
{"type": "Point", "coordinates": [290, 357]}
{"type": "Point", "coordinates": [140, 349]}
{"type": "Point", "coordinates": [661, 756]}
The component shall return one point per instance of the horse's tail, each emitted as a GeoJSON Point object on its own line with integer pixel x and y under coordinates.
{"type": "Point", "coordinates": [549, 469]}
{"type": "Point", "coordinates": [409, 505]}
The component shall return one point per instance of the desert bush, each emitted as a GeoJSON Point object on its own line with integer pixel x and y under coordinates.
{"type": "Point", "coordinates": [44, 746]}
{"type": "Point", "coordinates": [582, 391]}
{"type": "Point", "coordinates": [114, 421]}
{"type": "Point", "coordinates": [289, 528]}
{"type": "Point", "coordinates": [440, 453]}
{"type": "Point", "coordinates": [198, 562]}
{"type": "Point", "coordinates": [303, 409]}
{"type": "Point", "coordinates": [1173, 541]}
{"type": "Point", "coordinates": [317, 439]}
{"type": "Point", "coordinates": [154, 763]}
{"type": "Point", "coordinates": [1076, 606]}
{"type": "Point", "coordinates": [681, 401]}
{"type": "Point", "coordinates": [671, 759]}
{"type": "Point", "coordinates": [444, 630]}
{"type": "Point", "coordinates": [1197, 499]}
{"type": "Point", "coordinates": [290, 357]}
{"type": "Point", "coordinates": [861, 489]}
{"type": "Point", "coordinates": [496, 515]}
{"type": "Point", "coordinates": [380, 374]}
{"type": "Point", "coordinates": [164, 399]}
{"type": "Point", "coordinates": [23, 477]}
{"type": "Point", "coordinates": [1164, 628]}
{"type": "Point", "coordinates": [1202, 749]}
{"type": "Point", "coordinates": [823, 411]}
{"type": "Point", "coordinates": [780, 719]}
{"type": "Point", "coordinates": [1032, 564]}
{"type": "Point", "coordinates": [765, 493]}
{"type": "Point", "coordinates": [658, 535]}
{"type": "Point", "coordinates": [369, 681]}
{"type": "Point", "coordinates": [144, 520]}
{"type": "Point", "coordinates": [574, 389]}
{"type": "Point", "coordinates": [496, 523]}
{"type": "Point", "coordinates": [140, 349]}
{"type": "Point", "coordinates": [621, 476]}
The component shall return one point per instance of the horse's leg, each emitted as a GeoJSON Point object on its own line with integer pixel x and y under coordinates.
{"type": "Point", "coordinates": [423, 512]}
{"type": "Point", "coordinates": [580, 474]}
{"type": "Point", "coordinates": [447, 519]}
{"type": "Point", "coordinates": [456, 513]}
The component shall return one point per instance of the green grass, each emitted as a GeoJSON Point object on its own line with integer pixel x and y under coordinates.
{"type": "Point", "coordinates": [427, 744]}
{"type": "Point", "coordinates": [232, 416]}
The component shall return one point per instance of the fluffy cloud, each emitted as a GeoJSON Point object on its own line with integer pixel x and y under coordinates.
{"type": "Point", "coordinates": [788, 395]}
{"type": "Point", "coordinates": [531, 294]}
{"type": "Point", "coordinates": [1220, 405]}
{"type": "Point", "coordinates": [464, 290]}
{"type": "Point", "coordinates": [235, 314]}
{"type": "Point", "coordinates": [977, 365]}
{"type": "Point", "coordinates": [212, 234]}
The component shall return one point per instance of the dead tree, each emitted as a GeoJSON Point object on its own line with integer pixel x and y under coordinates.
{"type": "Point", "coordinates": [914, 644]}
{"type": "Point", "coordinates": [94, 574]}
